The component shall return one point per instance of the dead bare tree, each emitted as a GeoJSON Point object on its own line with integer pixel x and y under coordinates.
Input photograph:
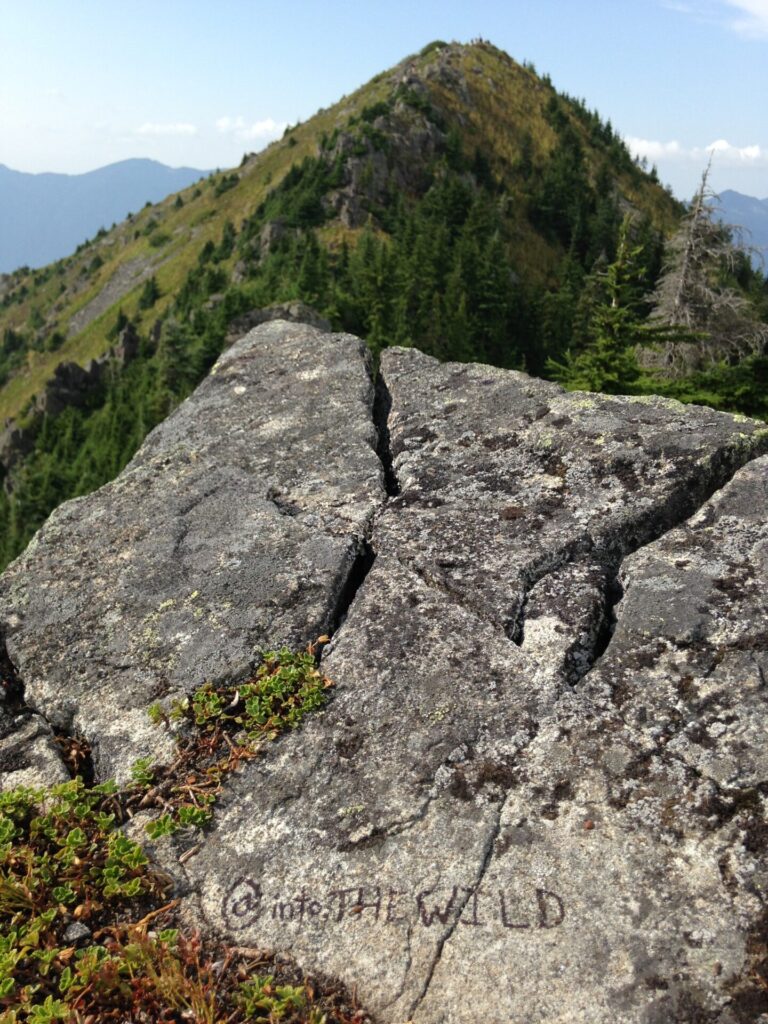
{"type": "Point", "coordinates": [703, 320]}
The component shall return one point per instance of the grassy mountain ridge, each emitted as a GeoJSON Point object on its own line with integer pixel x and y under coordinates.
{"type": "Point", "coordinates": [456, 203]}
{"type": "Point", "coordinates": [492, 103]}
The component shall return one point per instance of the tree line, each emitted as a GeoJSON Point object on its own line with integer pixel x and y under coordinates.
{"type": "Point", "coordinates": [618, 314]}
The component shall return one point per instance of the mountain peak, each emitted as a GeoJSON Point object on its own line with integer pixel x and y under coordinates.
{"type": "Point", "coordinates": [456, 203]}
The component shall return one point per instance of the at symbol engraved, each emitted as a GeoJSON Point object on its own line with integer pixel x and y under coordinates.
{"type": "Point", "coordinates": [242, 904]}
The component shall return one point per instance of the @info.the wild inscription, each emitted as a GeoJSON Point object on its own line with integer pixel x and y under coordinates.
{"type": "Point", "coordinates": [249, 901]}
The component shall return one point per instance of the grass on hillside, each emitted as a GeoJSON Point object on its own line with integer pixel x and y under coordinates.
{"type": "Point", "coordinates": [506, 100]}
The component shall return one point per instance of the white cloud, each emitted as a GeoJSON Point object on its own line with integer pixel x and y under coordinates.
{"type": "Point", "coordinates": [754, 19]}
{"type": "Point", "coordinates": [752, 22]}
{"type": "Point", "coordinates": [736, 154]}
{"type": "Point", "coordinates": [261, 130]}
{"type": "Point", "coordinates": [652, 150]}
{"type": "Point", "coordinates": [229, 124]}
{"type": "Point", "coordinates": [706, 12]}
{"type": "Point", "coordinates": [721, 149]}
{"type": "Point", "coordinates": [177, 128]}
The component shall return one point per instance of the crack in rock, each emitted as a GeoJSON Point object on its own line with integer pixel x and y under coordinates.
{"type": "Point", "coordinates": [567, 794]}
{"type": "Point", "coordinates": [469, 892]}
{"type": "Point", "coordinates": [382, 408]}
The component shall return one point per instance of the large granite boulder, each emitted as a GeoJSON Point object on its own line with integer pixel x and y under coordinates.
{"type": "Point", "coordinates": [237, 525]}
{"type": "Point", "coordinates": [538, 790]}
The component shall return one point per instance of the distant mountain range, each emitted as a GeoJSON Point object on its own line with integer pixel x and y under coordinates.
{"type": "Point", "coordinates": [45, 216]}
{"type": "Point", "coordinates": [749, 213]}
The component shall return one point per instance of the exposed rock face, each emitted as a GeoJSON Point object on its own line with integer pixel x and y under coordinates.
{"type": "Point", "coordinates": [28, 753]}
{"type": "Point", "coordinates": [70, 385]}
{"type": "Point", "coordinates": [73, 385]}
{"type": "Point", "coordinates": [236, 525]}
{"type": "Point", "coordinates": [537, 793]}
{"type": "Point", "coordinates": [272, 234]}
{"type": "Point", "coordinates": [15, 443]}
{"type": "Point", "coordinates": [296, 312]}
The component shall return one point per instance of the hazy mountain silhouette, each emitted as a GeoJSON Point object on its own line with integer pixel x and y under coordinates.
{"type": "Point", "coordinates": [45, 216]}
{"type": "Point", "coordinates": [749, 213]}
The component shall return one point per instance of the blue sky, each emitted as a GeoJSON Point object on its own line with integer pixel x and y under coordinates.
{"type": "Point", "coordinates": [199, 82]}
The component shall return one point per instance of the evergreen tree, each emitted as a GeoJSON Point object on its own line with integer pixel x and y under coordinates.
{"type": "Point", "coordinates": [608, 362]}
{"type": "Point", "coordinates": [150, 293]}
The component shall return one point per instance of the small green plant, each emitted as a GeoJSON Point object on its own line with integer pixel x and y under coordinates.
{"type": "Point", "coordinates": [141, 771]}
{"type": "Point", "coordinates": [264, 1000]}
{"type": "Point", "coordinates": [229, 723]}
{"type": "Point", "coordinates": [156, 713]}
{"type": "Point", "coordinates": [64, 859]}
{"type": "Point", "coordinates": [61, 859]}
{"type": "Point", "coordinates": [286, 686]}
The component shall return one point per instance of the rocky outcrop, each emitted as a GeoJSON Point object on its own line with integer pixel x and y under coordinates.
{"type": "Point", "coordinates": [272, 234]}
{"type": "Point", "coordinates": [236, 525]}
{"type": "Point", "coordinates": [538, 790]}
{"type": "Point", "coordinates": [74, 385]}
{"type": "Point", "coordinates": [295, 312]}
{"type": "Point", "coordinates": [71, 385]}
{"type": "Point", "coordinates": [372, 174]}
{"type": "Point", "coordinates": [15, 443]}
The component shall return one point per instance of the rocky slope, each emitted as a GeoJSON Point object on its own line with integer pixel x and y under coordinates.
{"type": "Point", "coordinates": [538, 790]}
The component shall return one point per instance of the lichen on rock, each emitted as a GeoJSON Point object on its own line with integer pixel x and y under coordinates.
{"type": "Point", "coordinates": [537, 792]}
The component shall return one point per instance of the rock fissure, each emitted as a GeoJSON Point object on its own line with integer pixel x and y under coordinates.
{"type": "Point", "coordinates": [613, 589]}
{"type": "Point", "coordinates": [10, 680]}
{"type": "Point", "coordinates": [585, 804]}
{"type": "Point", "coordinates": [468, 893]}
{"type": "Point", "coordinates": [398, 993]}
{"type": "Point", "coordinates": [516, 630]}
{"type": "Point", "coordinates": [613, 593]}
{"type": "Point", "coordinates": [382, 407]}
{"type": "Point", "coordinates": [362, 563]}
